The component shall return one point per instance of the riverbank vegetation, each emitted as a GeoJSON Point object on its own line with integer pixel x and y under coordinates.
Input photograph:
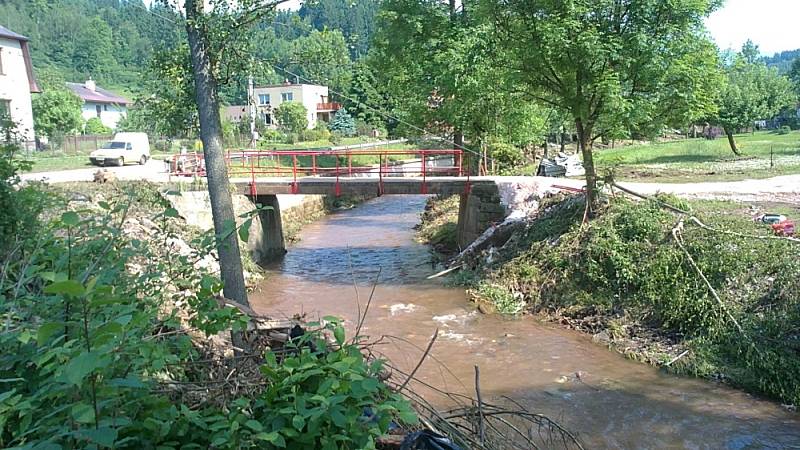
{"type": "Point", "coordinates": [114, 335]}
{"type": "Point", "coordinates": [717, 297]}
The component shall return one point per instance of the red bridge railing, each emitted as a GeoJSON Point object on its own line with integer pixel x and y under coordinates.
{"type": "Point", "coordinates": [357, 163]}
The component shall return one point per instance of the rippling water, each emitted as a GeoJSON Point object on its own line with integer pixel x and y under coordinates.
{"type": "Point", "coordinates": [613, 403]}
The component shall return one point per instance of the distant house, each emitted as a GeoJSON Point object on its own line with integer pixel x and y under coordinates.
{"type": "Point", "coordinates": [17, 83]}
{"type": "Point", "coordinates": [267, 98]}
{"type": "Point", "coordinates": [98, 102]}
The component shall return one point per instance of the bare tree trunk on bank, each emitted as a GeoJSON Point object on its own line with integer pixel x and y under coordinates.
{"type": "Point", "coordinates": [230, 260]}
{"type": "Point", "coordinates": [732, 142]}
{"type": "Point", "coordinates": [585, 142]}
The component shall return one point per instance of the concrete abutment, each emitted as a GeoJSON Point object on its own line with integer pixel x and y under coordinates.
{"type": "Point", "coordinates": [478, 209]}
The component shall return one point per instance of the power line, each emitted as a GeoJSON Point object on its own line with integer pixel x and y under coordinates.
{"type": "Point", "coordinates": [144, 8]}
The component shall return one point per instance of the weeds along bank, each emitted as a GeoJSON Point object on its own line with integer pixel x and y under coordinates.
{"type": "Point", "coordinates": [113, 336]}
{"type": "Point", "coordinates": [632, 278]}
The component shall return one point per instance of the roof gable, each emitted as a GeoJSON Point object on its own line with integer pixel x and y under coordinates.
{"type": "Point", "coordinates": [6, 33]}
{"type": "Point", "coordinates": [99, 95]}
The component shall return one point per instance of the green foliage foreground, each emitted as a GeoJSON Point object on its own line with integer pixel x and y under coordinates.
{"type": "Point", "coordinates": [627, 268]}
{"type": "Point", "coordinates": [101, 326]}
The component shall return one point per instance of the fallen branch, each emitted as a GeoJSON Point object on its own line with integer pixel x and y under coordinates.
{"type": "Point", "coordinates": [676, 233]}
{"type": "Point", "coordinates": [421, 360]}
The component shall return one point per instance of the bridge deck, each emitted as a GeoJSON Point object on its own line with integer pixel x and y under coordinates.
{"type": "Point", "coordinates": [357, 186]}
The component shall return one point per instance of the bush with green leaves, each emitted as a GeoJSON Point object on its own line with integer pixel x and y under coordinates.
{"type": "Point", "coordinates": [96, 315]}
{"type": "Point", "coordinates": [784, 130]}
{"type": "Point", "coordinates": [56, 113]}
{"type": "Point", "coordinates": [292, 117]}
{"type": "Point", "coordinates": [20, 204]}
{"type": "Point", "coordinates": [96, 126]}
{"type": "Point", "coordinates": [325, 399]}
{"type": "Point", "coordinates": [507, 157]}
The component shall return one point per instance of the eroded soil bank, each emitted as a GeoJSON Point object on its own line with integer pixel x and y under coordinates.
{"type": "Point", "coordinates": [610, 401]}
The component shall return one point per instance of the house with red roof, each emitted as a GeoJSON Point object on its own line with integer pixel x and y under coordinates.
{"type": "Point", "coordinates": [101, 103]}
{"type": "Point", "coordinates": [17, 83]}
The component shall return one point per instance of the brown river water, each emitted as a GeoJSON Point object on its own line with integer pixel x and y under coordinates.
{"type": "Point", "coordinates": [613, 403]}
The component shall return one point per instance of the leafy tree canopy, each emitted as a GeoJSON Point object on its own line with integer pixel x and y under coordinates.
{"type": "Point", "coordinates": [752, 91]}
{"type": "Point", "coordinates": [292, 117]}
{"type": "Point", "coordinates": [56, 113]}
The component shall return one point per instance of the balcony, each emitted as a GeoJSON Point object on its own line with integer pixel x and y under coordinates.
{"type": "Point", "coordinates": [327, 107]}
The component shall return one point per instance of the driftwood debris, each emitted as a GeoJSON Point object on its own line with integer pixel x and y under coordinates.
{"type": "Point", "coordinates": [104, 176]}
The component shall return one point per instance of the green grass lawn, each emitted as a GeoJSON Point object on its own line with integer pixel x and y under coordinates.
{"type": "Point", "coordinates": [686, 160]}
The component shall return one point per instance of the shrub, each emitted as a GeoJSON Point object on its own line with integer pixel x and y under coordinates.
{"type": "Point", "coordinates": [506, 156]}
{"type": "Point", "coordinates": [784, 130]}
{"type": "Point", "coordinates": [95, 126]}
{"type": "Point", "coordinates": [344, 405]}
{"type": "Point", "coordinates": [95, 340]}
{"type": "Point", "coordinates": [292, 117]}
{"type": "Point", "coordinates": [291, 138]}
{"type": "Point", "coordinates": [343, 124]}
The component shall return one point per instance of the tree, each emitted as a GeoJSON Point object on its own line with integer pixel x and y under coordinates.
{"type": "Point", "coordinates": [56, 113]}
{"type": "Point", "coordinates": [343, 124]}
{"type": "Point", "coordinates": [751, 91]}
{"type": "Point", "coordinates": [606, 62]}
{"type": "Point", "coordinates": [95, 126]}
{"type": "Point", "coordinates": [292, 117]}
{"type": "Point", "coordinates": [167, 104]}
{"type": "Point", "coordinates": [440, 71]}
{"type": "Point", "coordinates": [794, 75]}
{"type": "Point", "coordinates": [364, 98]}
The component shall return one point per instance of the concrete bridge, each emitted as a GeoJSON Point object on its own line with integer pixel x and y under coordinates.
{"type": "Point", "coordinates": [483, 200]}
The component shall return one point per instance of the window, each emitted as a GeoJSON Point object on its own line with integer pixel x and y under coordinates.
{"type": "Point", "coordinates": [287, 96]}
{"type": "Point", "coordinates": [128, 146]}
{"type": "Point", "coordinates": [263, 99]}
{"type": "Point", "coordinates": [105, 107]}
{"type": "Point", "coordinates": [98, 110]}
{"type": "Point", "coordinates": [2, 70]}
{"type": "Point", "coordinates": [5, 108]}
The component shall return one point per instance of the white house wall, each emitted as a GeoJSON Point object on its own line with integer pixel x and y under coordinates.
{"type": "Point", "coordinates": [110, 115]}
{"type": "Point", "coordinates": [308, 95]}
{"type": "Point", "coordinates": [15, 87]}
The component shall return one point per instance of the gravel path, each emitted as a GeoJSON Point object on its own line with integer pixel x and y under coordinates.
{"type": "Point", "coordinates": [778, 189]}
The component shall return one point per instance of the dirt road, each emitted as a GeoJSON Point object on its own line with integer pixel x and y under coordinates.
{"type": "Point", "coordinates": [785, 189]}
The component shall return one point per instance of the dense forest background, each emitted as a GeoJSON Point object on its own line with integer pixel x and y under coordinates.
{"type": "Point", "coordinates": [113, 41]}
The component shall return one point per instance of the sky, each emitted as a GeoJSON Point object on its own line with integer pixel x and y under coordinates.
{"type": "Point", "coordinates": [771, 24]}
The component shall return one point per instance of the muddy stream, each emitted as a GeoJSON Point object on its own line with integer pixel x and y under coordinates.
{"type": "Point", "coordinates": [612, 403]}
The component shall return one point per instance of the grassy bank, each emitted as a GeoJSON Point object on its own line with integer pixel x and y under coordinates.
{"type": "Point", "coordinates": [764, 154]}
{"type": "Point", "coordinates": [631, 282]}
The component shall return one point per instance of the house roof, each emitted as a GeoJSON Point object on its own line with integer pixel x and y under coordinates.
{"type": "Point", "coordinates": [6, 33]}
{"type": "Point", "coordinates": [99, 95]}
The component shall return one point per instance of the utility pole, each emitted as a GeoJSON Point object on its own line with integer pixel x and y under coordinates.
{"type": "Point", "coordinates": [251, 103]}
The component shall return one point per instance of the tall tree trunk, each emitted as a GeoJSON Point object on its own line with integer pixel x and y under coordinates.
{"type": "Point", "coordinates": [732, 142]}
{"type": "Point", "coordinates": [230, 260]}
{"type": "Point", "coordinates": [585, 142]}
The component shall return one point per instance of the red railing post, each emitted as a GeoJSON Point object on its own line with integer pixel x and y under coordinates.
{"type": "Point", "coordinates": [338, 188]}
{"type": "Point", "coordinates": [460, 163]}
{"type": "Point", "coordinates": [294, 173]}
{"type": "Point", "coordinates": [380, 176]}
{"type": "Point", "coordinates": [424, 187]}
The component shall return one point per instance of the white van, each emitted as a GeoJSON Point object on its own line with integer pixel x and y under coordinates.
{"type": "Point", "coordinates": [124, 148]}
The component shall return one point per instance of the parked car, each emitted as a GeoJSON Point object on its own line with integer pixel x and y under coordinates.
{"type": "Point", "coordinates": [124, 148]}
